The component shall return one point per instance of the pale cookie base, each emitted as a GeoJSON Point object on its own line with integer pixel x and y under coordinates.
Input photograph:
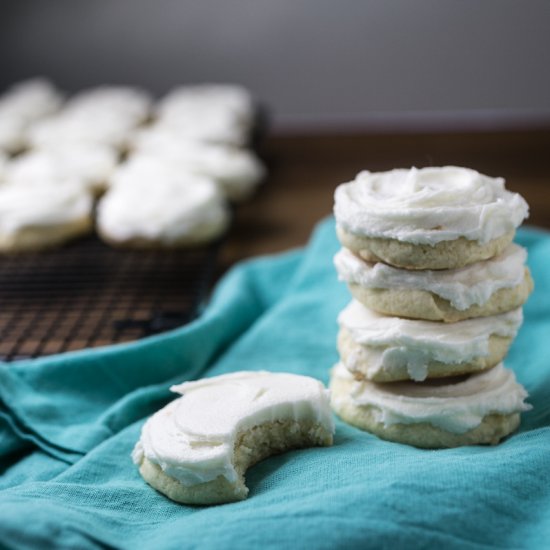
{"type": "Point", "coordinates": [421, 304]}
{"type": "Point", "coordinates": [252, 446]}
{"type": "Point", "coordinates": [443, 255]}
{"type": "Point", "coordinates": [491, 430]}
{"type": "Point", "coordinates": [355, 358]}
{"type": "Point", "coordinates": [45, 237]}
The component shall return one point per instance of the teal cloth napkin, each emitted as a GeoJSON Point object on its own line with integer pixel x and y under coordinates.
{"type": "Point", "coordinates": [68, 424]}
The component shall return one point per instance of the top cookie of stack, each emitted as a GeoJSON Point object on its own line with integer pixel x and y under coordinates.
{"type": "Point", "coordinates": [428, 218]}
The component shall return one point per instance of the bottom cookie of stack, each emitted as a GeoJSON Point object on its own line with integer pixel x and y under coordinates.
{"type": "Point", "coordinates": [474, 409]}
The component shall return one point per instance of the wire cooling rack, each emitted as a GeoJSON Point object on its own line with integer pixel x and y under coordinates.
{"type": "Point", "coordinates": [87, 294]}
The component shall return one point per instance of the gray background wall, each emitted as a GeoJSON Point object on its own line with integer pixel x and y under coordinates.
{"type": "Point", "coordinates": [315, 62]}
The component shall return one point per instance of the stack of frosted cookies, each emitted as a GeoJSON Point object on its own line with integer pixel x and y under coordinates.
{"type": "Point", "coordinates": [438, 288]}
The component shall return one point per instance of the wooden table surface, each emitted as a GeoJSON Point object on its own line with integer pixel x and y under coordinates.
{"type": "Point", "coordinates": [305, 169]}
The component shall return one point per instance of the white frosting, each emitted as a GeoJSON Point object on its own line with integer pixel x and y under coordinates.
{"type": "Point", "coordinates": [428, 205]}
{"type": "Point", "coordinates": [390, 343]}
{"type": "Point", "coordinates": [463, 287]}
{"type": "Point", "coordinates": [219, 113]}
{"type": "Point", "coordinates": [208, 125]}
{"type": "Point", "coordinates": [12, 133]}
{"type": "Point", "coordinates": [35, 206]}
{"type": "Point", "coordinates": [455, 407]}
{"type": "Point", "coordinates": [238, 171]}
{"type": "Point", "coordinates": [131, 104]}
{"type": "Point", "coordinates": [30, 100]}
{"type": "Point", "coordinates": [193, 438]}
{"type": "Point", "coordinates": [88, 165]}
{"type": "Point", "coordinates": [208, 97]}
{"type": "Point", "coordinates": [155, 203]}
{"type": "Point", "coordinates": [83, 127]}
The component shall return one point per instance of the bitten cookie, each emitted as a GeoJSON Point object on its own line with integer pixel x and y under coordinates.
{"type": "Point", "coordinates": [197, 449]}
{"type": "Point", "coordinates": [485, 288]}
{"type": "Point", "coordinates": [33, 217]}
{"type": "Point", "coordinates": [471, 410]}
{"type": "Point", "coordinates": [429, 218]}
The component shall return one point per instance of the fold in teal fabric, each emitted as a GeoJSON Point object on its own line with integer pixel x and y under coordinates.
{"type": "Point", "coordinates": [68, 425]}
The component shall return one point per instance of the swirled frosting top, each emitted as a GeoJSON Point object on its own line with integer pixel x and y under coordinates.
{"type": "Point", "coordinates": [428, 205]}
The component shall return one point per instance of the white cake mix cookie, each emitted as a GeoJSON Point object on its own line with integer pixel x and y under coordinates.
{"type": "Point", "coordinates": [131, 104]}
{"type": "Point", "coordinates": [388, 349]}
{"type": "Point", "coordinates": [33, 217]}
{"type": "Point", "coordinates": [89, 166]}
{"type": "Point", "coordinates": [197, 449]}
{"type": "Point", "coordinates": [208, 126]}
{"type": "Point", "coordinates": [485, 288]}
{"type": "Point", "coordinates": [30, 100]}
{"type": "Point", "coordinates": [477, 409]}
{"type": "Point", "coordinates": [220, 98]}
{"type": "Point", "coordinates": [238, 171]}
{"type": "Point", "coordinates": [21, 105]}
{"type": "Point", "coordinates": [82, 127]}
{"type": "Point", "coordinates": [218, 113]}
{"type": "Point", "coordinates": [429, 218]}
{"type": "Point", "coordinates": [12, 134]}
{"type": "Point", "coordinates": [162, 209]}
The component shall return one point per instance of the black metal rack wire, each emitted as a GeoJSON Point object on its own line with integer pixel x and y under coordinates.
{"type": "Point", "coordinates": [87, 294]}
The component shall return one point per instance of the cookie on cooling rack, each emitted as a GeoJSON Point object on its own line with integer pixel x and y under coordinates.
{"type": "Point", "coordinates": [86, 165]}
{"type": "Point", "coordinates": [237, 171]}
{"type": "Point", "coordinates": [158, 207]}
{"type": "Point", "coordinates": [35, 217]}
{"type": "Point", "coordinates": [217, 113]}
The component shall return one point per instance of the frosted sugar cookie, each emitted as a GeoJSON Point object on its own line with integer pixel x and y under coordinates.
{"type": "Point", "coordinates": [83, 127]}
{"type": "Point", "coordinates": [88, 165]}
{"type": "Point", "coordinates": [208, 126]}
{"type": "Point", "coordinates": [197, 449]}
{"type": "Point", "coordinates": [218, 98]}
{"type": "Point", "coordinates": [161, 209]}
{"type": "Point", "coordinates": [219, 113]}
{"type": "Point", "coordinates": [131, 104]}
{"type": "Point", "coordinates": [238, 171]}
{"type": "Point", "coordinates": [387, 349]}
{"type": "Point", "coordinates": [475, 409]}
{"type": "Point", "coordinates": [428, 218]}
{"type": "Point", "coordinates": [34, 217]}
{"type": "Point", "coordinates": [30, 100]}
{"type": "Point", "coordinates": [12, 134]}
{"type": "Point", "coordinates": [484, 288]}
{"type": "Point", "coordinates": [21, 105]}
